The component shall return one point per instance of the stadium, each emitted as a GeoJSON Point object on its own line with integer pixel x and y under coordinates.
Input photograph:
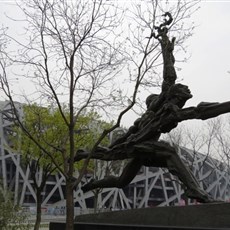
{"type": "Point", "coordinates": [151, 187]}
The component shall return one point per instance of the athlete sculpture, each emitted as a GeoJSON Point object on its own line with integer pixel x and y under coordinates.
{"type": "Point", "coordinates": [164, 111]}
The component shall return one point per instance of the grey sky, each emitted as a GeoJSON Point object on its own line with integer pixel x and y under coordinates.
{"type": "Point", "coordinates": [206, 72]}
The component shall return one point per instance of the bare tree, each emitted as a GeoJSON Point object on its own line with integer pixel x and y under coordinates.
{"type": "Point", "coordinates": [222, 147]}
{"type": "Point", "coordinates": [73, 53]}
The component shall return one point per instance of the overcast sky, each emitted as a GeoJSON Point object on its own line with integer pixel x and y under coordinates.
{"type": "Point", "coordinates": [206, 72]}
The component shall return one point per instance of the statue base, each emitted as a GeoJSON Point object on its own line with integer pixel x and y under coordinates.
{"type": "Point", "coordinates": [204, 216]}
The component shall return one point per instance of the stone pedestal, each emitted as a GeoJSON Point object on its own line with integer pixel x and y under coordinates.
{"type": "Point", "coordinates": [205, 216]}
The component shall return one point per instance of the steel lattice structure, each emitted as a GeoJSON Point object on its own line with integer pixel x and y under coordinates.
{"type": "Point", "coordinates": [151, 187]}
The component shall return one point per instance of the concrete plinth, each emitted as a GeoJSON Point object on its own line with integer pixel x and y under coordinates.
{"type": "Point", "coordinates": [205, 216]}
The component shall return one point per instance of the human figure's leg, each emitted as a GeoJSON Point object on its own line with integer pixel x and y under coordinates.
{"type": "Point", "coordinates": [177, 167]}
{"type": "Point", "coordinates": [162, 154]}
{"type": "Point", "coordinates": [166, 156]}
{"type": "Point", "coordinates": [129, 172]}
{"type": "Point", "coordinates": [193, 190]}
{"type": "Point", "coordinates": [153, 153]}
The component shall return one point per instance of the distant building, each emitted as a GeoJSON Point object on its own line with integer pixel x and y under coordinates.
{"type": "Point", "coordinates": [151, 187]}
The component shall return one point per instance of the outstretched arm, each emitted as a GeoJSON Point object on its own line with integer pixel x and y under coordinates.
{"type": "Point", "coordinates": [169, 120]}
{"type": "Point", "coordinates": [204, 111]}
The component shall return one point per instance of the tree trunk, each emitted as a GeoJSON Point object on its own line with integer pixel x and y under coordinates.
{"type": "Point", "coordinates": [69, 206]}
{"type": "Point", "coordinates": [39, 213]}
{"type": "Point", "coordinates": [96, 193]}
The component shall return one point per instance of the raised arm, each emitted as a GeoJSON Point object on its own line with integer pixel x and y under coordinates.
{"type": "Point", "coordinates": [167, 47]}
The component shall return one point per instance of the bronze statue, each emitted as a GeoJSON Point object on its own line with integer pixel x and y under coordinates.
{"type": "Point", "coordinates": [164, 111]}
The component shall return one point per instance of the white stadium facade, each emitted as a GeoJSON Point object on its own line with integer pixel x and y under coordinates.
{"type": "Point", "coordinates": [151, 187]}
